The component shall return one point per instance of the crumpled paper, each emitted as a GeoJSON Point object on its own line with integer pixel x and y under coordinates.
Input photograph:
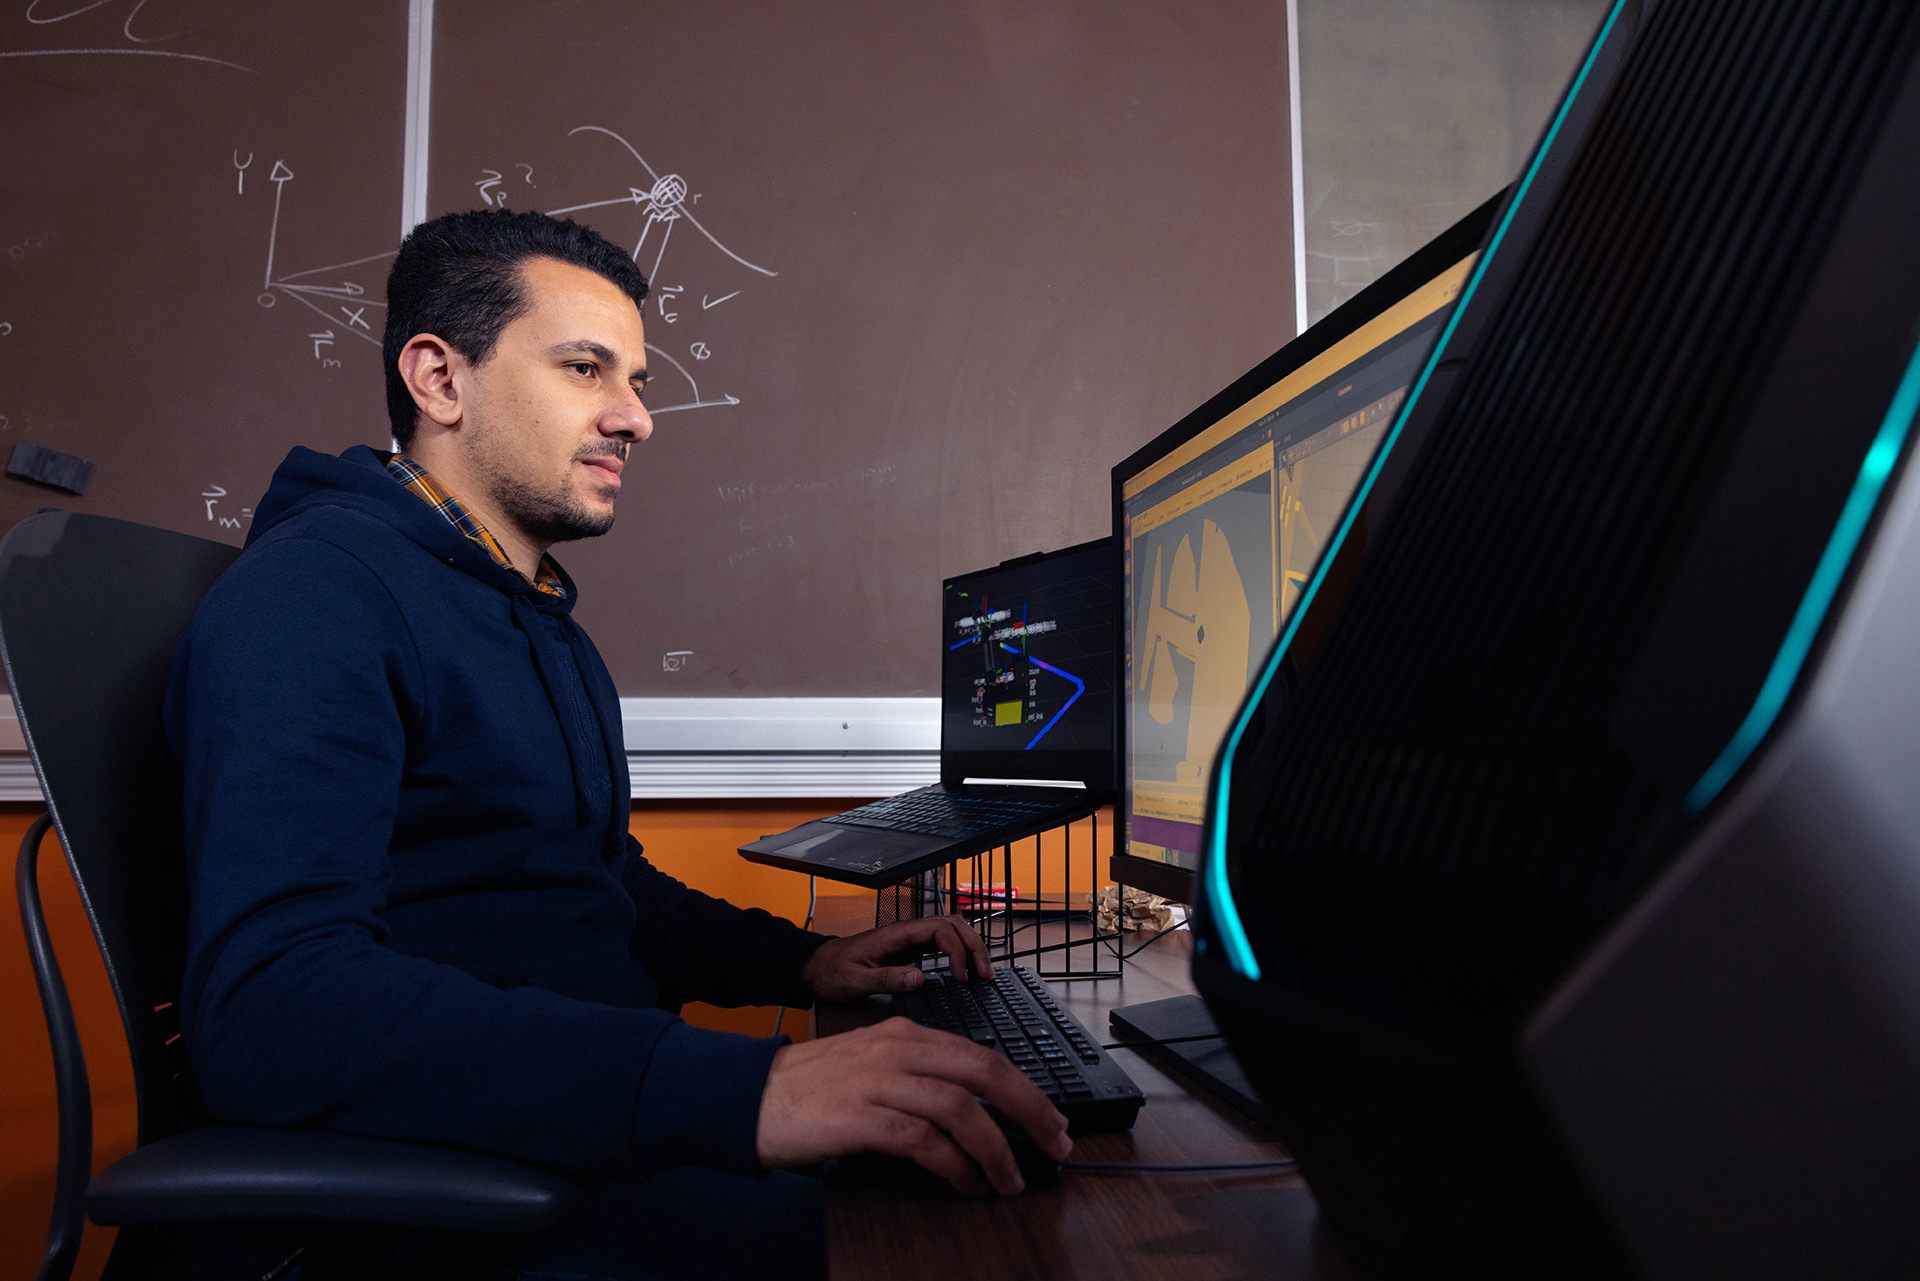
{"type": "Point", "coordinates": [1143, 911]}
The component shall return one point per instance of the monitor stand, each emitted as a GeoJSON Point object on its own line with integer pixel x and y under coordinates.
{"type": "Point", "coordinates": [1208, 1066]}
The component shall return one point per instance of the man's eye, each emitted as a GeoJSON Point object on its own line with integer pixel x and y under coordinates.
{"type": "Point", "coordinates": [584, 367]}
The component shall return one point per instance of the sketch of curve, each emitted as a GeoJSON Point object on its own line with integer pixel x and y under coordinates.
{"type": "Point", "coordinates": [88, 7]}
{"type": "Point", "coordinates": [138, 53]}
{"type": "Point", "coordinates": [698, 402]}
{"type": "Point", "coordinates": [664, 196]}
{"type": "Point", "coordinates": [126, 29]}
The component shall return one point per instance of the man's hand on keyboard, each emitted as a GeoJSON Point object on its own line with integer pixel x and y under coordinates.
{"type": "Point", "coordinates": [887, 959]}
{"type": "Point", "coordinates": [909, 1091]}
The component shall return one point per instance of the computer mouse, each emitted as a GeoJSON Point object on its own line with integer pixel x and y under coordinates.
{"type": "Point", "coordinates": [1036, 1167]}
{"type": "Point", "coordinates": [879, 1169]}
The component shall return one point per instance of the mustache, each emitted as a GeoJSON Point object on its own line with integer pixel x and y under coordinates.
{"type": "Point", "coordinates": [611, 449]}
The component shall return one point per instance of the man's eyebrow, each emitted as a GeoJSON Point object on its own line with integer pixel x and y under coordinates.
{"type": "Point", "coordinates": [601, 353]}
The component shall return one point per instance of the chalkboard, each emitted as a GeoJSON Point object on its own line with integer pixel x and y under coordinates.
{"type": "Point", "coordinates": [923, 272]}
{"type": "Point", "coordinates": [177, 175]}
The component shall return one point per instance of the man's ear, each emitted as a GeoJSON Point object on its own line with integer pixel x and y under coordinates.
{"type": "Point", "coordinates": [427, 366]}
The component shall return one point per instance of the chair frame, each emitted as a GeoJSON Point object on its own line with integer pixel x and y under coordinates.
{"type": "Point", "coordinates": [184, 1172]}
{"type": "Point", "coordinates": [75, 1098]}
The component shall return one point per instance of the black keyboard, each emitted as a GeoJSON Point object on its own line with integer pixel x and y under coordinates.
{"type": "Point", "coordinates": [931, 812]}
{"type": "Point", "coordinates": [1016, 1014]}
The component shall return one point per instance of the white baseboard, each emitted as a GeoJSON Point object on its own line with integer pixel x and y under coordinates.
{"type": "Point", "coordinates": [716, 748]}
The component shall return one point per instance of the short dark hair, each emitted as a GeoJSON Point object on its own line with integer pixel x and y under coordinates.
{"type": "Point", "coordinates": [458, 276]}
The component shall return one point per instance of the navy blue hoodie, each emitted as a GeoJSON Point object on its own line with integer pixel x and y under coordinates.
{"type": "Point", "coordinates": [415, 907]}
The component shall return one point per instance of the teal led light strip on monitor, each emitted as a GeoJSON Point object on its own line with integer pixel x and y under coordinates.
{"type": "Point", "coordinates": [1225, 914]}
{"type": "Point", "coordinates": [1825, 585]}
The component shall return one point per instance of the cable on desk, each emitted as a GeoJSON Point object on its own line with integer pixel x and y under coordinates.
{"type": "Point", "coordinates": [1045, 914]}
{"type": "Point", "coordinates": [1169, 1040]}
{"type": "Point", "coordinates": [1158, 935]}
{"type": "Point", "coordinates": [1129, 1167]}
{"type": "Point", "coordinates": [1074, 914]}
{"type": "Point", "coordinates": [813, 901]}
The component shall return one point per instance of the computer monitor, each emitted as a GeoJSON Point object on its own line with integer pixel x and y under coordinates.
{"type": "Point", "coordinates": [1218, 523]}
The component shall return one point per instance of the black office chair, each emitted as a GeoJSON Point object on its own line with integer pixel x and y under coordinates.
{"type": "Point", "coordinates": [90, 612]}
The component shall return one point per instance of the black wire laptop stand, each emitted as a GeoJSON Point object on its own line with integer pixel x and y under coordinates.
{"type": "Point", "coordinates": [983, 888]}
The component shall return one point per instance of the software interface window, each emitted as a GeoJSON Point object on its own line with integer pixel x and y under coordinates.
{"type": "Point", "coordinates": [1219, 539]}
{"type": "Point", "coordinates": [1028, 655]}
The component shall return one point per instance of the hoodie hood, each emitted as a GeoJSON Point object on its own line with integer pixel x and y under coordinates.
{"type": "Point", "coordinates": [579, 690]}
{"type": "Point", "coordinates": [359, 481]}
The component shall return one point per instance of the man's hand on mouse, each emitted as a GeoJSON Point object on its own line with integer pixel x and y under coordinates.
{"type": "Point", "coordinates": [887, 959]}
{"type": "Point", "coordinates": [908, 1091]}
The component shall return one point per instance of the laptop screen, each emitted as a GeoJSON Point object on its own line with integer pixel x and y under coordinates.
{"type": "Point", "coordinates": [1027, 678]}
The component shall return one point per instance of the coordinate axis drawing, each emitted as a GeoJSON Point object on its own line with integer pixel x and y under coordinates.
{"type": "Point", "coordinates": [344, 295]}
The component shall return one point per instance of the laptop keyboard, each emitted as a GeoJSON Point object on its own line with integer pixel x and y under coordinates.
{"type": "Point", "coordinates": [936, 813]}
{"type": "Point", "coordinates": [1016, 1014]}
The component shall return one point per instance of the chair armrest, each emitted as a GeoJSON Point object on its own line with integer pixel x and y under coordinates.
{"type": "Point", "coordinates": [232, 1172]}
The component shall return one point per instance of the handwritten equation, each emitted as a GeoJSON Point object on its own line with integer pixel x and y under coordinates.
{"type": "Point", "coordinates": [33, 425]}
{"type": "Point", "coordinates": [771, 509]}
{"type": "Point", "coordinates": [30, 247]}
{"type": "Point", "coordinates": [492, 178]}
{"type": "Point", "coordinates": [24, 251]}
{"type": "Point", "coordinates": [235, 518]}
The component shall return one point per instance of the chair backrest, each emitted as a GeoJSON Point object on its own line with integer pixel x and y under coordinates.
{"type": "Point", "coordinates": [91, 610]}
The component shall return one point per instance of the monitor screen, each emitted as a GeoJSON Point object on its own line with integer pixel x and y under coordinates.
{"type": "Point", "coordinates": [1220, 522]}
{"type": "Point", "coordinates": [1026, 681]}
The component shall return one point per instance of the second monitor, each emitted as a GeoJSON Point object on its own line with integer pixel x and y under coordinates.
{"type": "Point", "coordinates": [1219, 524]}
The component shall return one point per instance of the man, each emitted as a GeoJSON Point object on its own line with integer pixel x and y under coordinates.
{"type": "Point", "coordinates": [416, 909]}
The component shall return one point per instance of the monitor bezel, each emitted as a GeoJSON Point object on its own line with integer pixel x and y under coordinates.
{"type": "Point", "coordinates": [1464, 237]}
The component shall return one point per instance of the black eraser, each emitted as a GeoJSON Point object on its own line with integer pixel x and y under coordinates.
{"type": "Point", "coordinates": [45, 466]}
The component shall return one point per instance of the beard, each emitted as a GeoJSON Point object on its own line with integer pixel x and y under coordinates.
{"type": "Point", "coordinates": [548, 517]}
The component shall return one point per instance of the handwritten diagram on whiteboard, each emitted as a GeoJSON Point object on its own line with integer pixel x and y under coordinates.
{"type": "Point", "coordinates": [692, 271]}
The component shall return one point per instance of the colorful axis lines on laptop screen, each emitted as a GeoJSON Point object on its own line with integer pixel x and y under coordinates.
{"type": "Point", "coordinates": [1029, 662]}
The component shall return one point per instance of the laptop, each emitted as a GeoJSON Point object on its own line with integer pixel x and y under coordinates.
{"type": "Point", "coordinates": [1026, 726]}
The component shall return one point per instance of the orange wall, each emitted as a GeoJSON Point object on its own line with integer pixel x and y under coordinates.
{"type": "Point", "coordinates": [697, 842]}
{"type": "Point", "coordinates": [26, 1065]}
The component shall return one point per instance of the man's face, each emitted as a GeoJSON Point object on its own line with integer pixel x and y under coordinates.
{"type": "Point", "coordinates": [550, 415]}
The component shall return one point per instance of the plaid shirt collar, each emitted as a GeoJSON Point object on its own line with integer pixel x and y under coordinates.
{"type": "Point", "coordinates": [428, 491]}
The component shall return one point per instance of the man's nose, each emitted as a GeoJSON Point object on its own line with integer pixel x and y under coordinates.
{"type": "Point", "coordinates": [628, 418]}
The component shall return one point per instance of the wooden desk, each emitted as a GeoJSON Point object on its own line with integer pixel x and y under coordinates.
{"type": "Point", "coordinates": [1195, 1227]}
